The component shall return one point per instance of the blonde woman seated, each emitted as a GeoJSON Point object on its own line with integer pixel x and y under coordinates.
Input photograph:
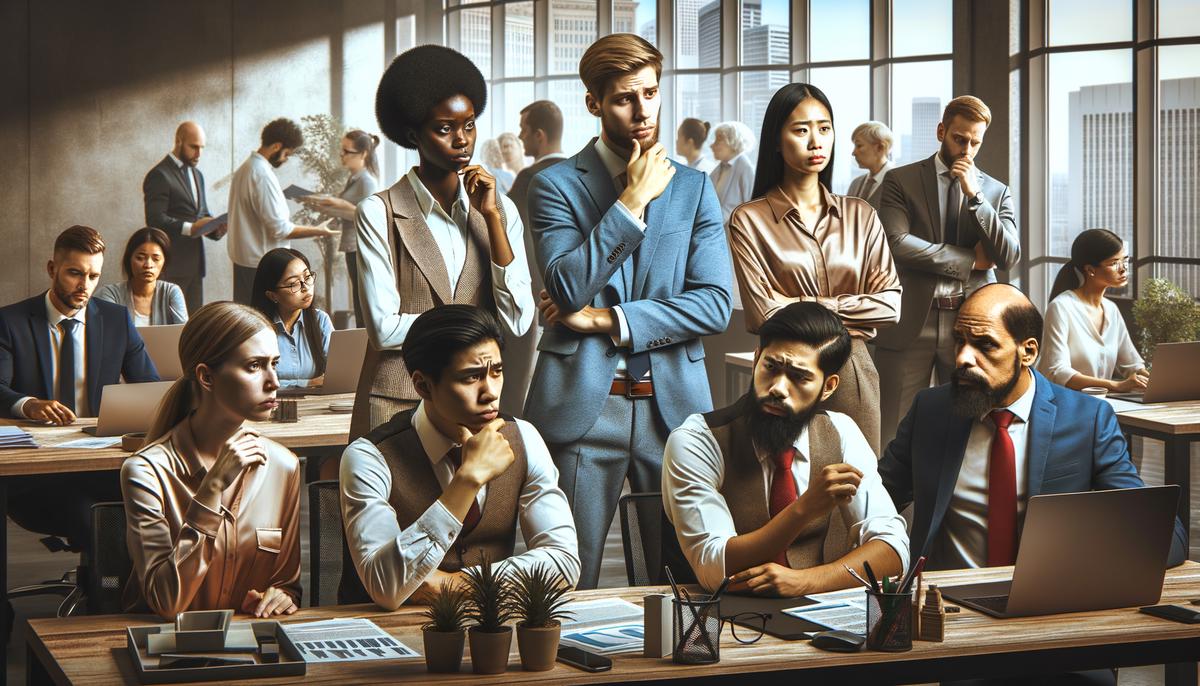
{"type": "Point", "coordinates": [212, 507]}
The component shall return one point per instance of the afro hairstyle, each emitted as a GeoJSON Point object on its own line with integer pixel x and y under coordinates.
{"type": "Point", "coordinates": [416, 81]}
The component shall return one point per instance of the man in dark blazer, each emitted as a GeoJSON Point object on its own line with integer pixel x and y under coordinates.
{"type": "Point", "coordinates": [950, 226]}
{"type": "Point", "coordinates": [176, 202]}
{"type": "Point", "coordinates": [58, 350]}
{"type": "Point", "coordinates": [970, 453]}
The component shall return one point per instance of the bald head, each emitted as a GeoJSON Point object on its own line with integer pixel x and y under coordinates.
{"type": "Point", "coordinates": [189, 143]}
{"type": "Point", "coordinates": [1001, 304]}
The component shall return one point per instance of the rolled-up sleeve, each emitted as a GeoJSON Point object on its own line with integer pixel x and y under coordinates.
{"type": "Point", "coordinates": [271, 205]}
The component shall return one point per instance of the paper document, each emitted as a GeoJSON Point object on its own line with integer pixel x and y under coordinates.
{"type": "Point", "coordinates": [1119, 405]}
{"type": "Point", "coordinates": [211, 226]}
{"type": "Point", "coordinates": [294, 192]}
{"type": "Point", "coordinates": [16, 437]}
{"type": "Point", "coordinates": [92, 443]}
{"type": "Point", "coordinates": [844, 610]}
{"type": "Point", "coordinates": [345, 640]}
{"type": "Point", "coordinates": [604, 625]}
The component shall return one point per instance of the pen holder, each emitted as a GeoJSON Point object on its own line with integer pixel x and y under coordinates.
{"type": "Point", "coordinates": [889, 622]}
{"type": "Point", "coordinates": [285, 411]}
{"type": "Point", "coordinates": [697, 630]}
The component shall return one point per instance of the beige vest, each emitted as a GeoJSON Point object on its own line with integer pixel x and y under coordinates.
{"type": "Point", "coordinates": [415, 488]}
{"type": "Point", "coordinates": [825, 539]}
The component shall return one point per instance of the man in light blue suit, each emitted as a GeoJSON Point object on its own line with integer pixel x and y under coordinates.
{"type": "Point", "coordinates": [636, 270]}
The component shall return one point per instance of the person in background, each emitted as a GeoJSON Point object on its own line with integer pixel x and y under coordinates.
{"type": "Point", "coordinates": [259, 218]}
{"type": "Point", "coordinates": [733, 177]}
{"type": "Point", "coordinates": [150, 300]}
{"type": "Point", "coordinates": [358, 157]}
{"type": "Point", "coordinates": [283, 293]}
{"type": "Point", "coordinates": [439, 486]}
{"type": "Point", "coordinates": [212, 508]}
{"type": "Point", "coordinates": [176, 201]}
{"type": "Point", "coordinates": [513, 152]}
{"type": "Point", "coordinates": [872, 151]}
{"type": "Point", "coordinates": [689, 144]}
{"type": "Point", "coordinates": [493, 159]}
{"type": "Point", "coordinates": [1086, 343]}
{"type": "Point", "coordinates": [796, 241]}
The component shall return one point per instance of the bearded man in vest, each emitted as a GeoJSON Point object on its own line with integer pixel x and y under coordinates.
{"type": "Point", "coordinates": [442, 485]}
{"type": "Point", "coordinates": [774, 492]}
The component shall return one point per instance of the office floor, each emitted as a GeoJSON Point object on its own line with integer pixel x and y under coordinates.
{"type": "Point", "coordinates": [29, 562]}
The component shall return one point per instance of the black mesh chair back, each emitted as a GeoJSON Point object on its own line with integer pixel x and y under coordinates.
{"type": "Point", "coordinates": [649, 541]}
{"type": "Point", "coordinates": [325, 542]}
{"type": "Point", "coordinates": [104, 582]}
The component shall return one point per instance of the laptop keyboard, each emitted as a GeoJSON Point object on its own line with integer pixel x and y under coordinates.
{"type": "Point", "coordinates": [996, 603]}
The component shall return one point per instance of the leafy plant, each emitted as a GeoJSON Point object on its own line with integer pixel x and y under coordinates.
{"type": "Point", "coordinates": [1165, 314]}
{"type": "Point", "coordinates": [447, 609]}
{"type": "Point", "coordinates": [321, 157]}
{"type": "Point", "coordinates": [490, 600]}
{"type": "Point", "coordinates": [539, 595]}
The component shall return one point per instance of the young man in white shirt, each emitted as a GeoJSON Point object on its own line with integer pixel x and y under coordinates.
{"type": "Point", "coordinates": [773, 492]}
{"type": "Point", "coordinates": [259, 218]}
{"type": "Point", "coordinates": [443, 484]}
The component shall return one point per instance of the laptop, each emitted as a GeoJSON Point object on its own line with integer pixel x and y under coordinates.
{"type": "Point", "coordinates": [162, 345]}
{"type": "Point", "coordinates": [1084, 551]}
{"type": "Point", "coordinates": [347, 348]}
{"type": "Point", "coordinates": [128, 408]}
{"type": "Point", "coordinates": [1176, 375]}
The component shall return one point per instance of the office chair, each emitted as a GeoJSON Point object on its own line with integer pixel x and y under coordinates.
{"type": "Point", "coordinates": [649, 541]}
{"type": "Point", "coordinates": [110, 565]}
{"type": "Point", "coordinates": [325, 542]}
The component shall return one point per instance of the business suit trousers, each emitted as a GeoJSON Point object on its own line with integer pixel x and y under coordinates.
{"type": "Point", "coordinates": [857, 394]}
{"type": "Point", "coordinates": [902, 373]}
{"type": "Point", "coordinates": [243, 283]}
{"type": "Point", "coordinates": [520, 357]}
{"type": "Point", "coordinates": [192, 286]}
{"type": "Point", "coordinates": [352, 277]}
{"type": "Point", "coordinates": [626, 441]}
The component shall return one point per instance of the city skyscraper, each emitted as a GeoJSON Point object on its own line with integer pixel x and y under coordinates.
{"type": "Point", "coordinates": [1177, 220]}
{"type": "Point", "coordinates": [926, 113]}
{"type": "Point", "coordinates": [708, 35]}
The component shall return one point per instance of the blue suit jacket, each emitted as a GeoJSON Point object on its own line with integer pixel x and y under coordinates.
{"type": "Point", "coordinates": [113, 347]}
{"type": "Point", "coordinates": [1074, 444]}
{"type": "Point", "coordinates": [677, 289]}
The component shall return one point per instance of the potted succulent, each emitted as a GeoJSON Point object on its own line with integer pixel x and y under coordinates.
{"type": "Point", "coordinates": [1165, 314]}
{"type": "Point", "coordinates": [539, 597]}
{"type": "Point", "coordinates": [490, 607]}
{"type": "Point", "coordinates": [444, 633]}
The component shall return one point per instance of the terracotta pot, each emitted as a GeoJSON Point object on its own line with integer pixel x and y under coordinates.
{"type": "Point", "coordinates": [444, 650]}
{"type": "Point", "coordinates": [538, 647]}
{"type": "Point", "coordinates": [489, 650]}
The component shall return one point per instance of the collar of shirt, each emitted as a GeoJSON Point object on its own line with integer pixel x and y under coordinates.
{"type": "Point", "coordinates": [297, 330]}
{"type": "Point", "coordinates": [781, 207]}
{"type": "Point", "coordinates": [1022, 406]}
{"type": "Point", "coordinates": [614, 163]}
{"type": "Point", "coordinates": [178, 162]}
{"type": "Point", "coordinates": [425, 199]}
{"type": "Point", "coordinates": [699, 160]}
{"type": "Point", "coordinates": [878, 176]}
{"type": "Point", "coordinates": [55, 317]}
{"type": "Point", "coordinates": [435, 444]}
{"type": "Point", "coordinates": [551, 156]}
{"type": "Point", "coordinates": [942, 169]}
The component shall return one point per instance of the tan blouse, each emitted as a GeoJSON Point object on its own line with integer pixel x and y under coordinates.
{"type": "Point", "coordinates": [844, 262]}
{"type": "Point", "coordinates": [188, 557]}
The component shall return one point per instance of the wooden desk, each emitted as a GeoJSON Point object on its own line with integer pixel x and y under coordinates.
{"type": "Point", "coordinates": [91, 650]}
{"type": "Point", "coordinates": [1177, 425]}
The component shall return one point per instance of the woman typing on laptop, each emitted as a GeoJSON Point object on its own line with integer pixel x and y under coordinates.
{"type": "Point", "coordinates": [212, 507]}
{"type": "Point", "coordinates": [283, 292]}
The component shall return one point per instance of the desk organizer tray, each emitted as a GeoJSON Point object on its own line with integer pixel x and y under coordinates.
{"type": "Point", "coordinates": [146, 665]}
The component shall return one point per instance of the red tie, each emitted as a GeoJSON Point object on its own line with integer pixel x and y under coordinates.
{"type": "Point", "coordinates": [473, 515]}
{"type": "Point", "coordinates": [1002, 494]}
{"type": "Point", "coordinates": [783, 491]}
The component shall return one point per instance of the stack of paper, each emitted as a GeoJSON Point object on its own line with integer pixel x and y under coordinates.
{"type": "Point", "coordinates": [16, 437]}
{"type": "Point", "coordinates": [345, 640]}
{"type": "Point", "coordinates": [605, 625]}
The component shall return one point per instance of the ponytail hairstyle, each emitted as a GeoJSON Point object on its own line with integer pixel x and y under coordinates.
{"type": "Point", "coordinates": [366, 143]}
{"type": "Point", "coordinates": [1090, 248]}
{"type": "Point", "coordinates": [695, 131]}
{"type": "Point", "coordinates": [210, 336]}
{"type": "Point", "coordinates": [270, 269]}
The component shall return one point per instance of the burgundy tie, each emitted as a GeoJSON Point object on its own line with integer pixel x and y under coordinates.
{"type": "Point", "coordinates": [1002, 494]}
{"type": "Point", "coordinates": [783, 490]}
{"type": "Point", "coordinates": [473, 515]}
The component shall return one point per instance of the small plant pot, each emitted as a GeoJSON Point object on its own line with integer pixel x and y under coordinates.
{"type": "Point", "coordinates": [444, 650]}
{"type": "Point", "coordinates": [538, 647]}
{"type": "Point", "coordinates": [489, 650]}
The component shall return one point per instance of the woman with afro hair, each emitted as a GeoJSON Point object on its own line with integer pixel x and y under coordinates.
{"type": "Point", "coordinates": [442, 234]}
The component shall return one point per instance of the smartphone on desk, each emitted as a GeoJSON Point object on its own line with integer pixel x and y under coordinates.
{"type": "Point", "coordinates": [582, 659]}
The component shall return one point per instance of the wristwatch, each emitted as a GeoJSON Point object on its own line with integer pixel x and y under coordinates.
{"type": "Point", "coordinates": [975, 200]}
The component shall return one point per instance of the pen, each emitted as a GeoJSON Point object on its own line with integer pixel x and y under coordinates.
{"type": "Point", "coordinates": [861, 580]}
{"type": "Point", "coordinates": [916, 569]}
{"type": "Point", "coordinates": [871, 576]}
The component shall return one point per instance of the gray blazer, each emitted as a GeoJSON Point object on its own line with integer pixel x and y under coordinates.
{"type": "Point", "coordinates": [674, 285]}
{"type": "Point", "coordinates": [856, 187]}
{"type": "Point", "coordinates": [910, 213]}
{"type": "Point", "coordinates": [360, 187]}
{"type": "Point", "coordinates": [167, 306]}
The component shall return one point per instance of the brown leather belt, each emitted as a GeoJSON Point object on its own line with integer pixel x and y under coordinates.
{"type": "Point", "coordinates": [951, 303]}
{"type": "Point", "coordinates": [632, 389]}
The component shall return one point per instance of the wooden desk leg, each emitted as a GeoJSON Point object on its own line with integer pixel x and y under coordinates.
{"type": "Point", "coordinates": [35, 671]}
{"type": "Point", "coordinates": [6, 611]}
{"type": "Point", "coordinates": [1180, 674]}
{"type": "Point", "coordinates": [1177, 469]}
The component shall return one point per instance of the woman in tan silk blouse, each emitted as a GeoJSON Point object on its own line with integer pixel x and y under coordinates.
{"type": "Point", "coordinates": [212, 508]}
{"type": "Point", "coordinates": [797, 241]}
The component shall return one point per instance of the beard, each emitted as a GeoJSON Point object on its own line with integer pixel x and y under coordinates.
{"type": "Point", "coordinates": [774, 434]}
{"type": "Point", "coordinates": [277, 160]}
{"type": "Point", "coordinates": [626, 142]}
{"type": "Point", "coordinates": [972, 396]}
{"type": "Point", "coordinates": [66, 296]}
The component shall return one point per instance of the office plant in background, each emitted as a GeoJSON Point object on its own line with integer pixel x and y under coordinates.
{"type": "Point", "coordinates": [540, 595]}
{"type": "Point", "coordinates": [1164, 314]}
{"type": "Point", "coordinates": [445, 632]}
{"type": "Point", "coordinates": [490, 604]}
{"type": "Point", "coordinates": [321, 157]}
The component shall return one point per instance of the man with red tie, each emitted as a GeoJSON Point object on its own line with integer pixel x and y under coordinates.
{"type": "Point", "coordinates": [971, 453]}
{"type": "Point", "coordinates": [772, 491]}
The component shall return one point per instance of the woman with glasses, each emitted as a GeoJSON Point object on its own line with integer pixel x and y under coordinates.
{"type": "Point", "coordinates": [150, 300]}
{"type": "Point", "coordinates": [1085, 342]}
{"type": "Point", "coordinates": [283, 292]}
{"type": "Point", "coordinates": [358, 157]}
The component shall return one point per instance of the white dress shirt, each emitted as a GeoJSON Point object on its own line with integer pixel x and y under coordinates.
{"type": "Point", "coordinates": [947, 286]}
{"type": "Point", "coordinates": [393, 562]}
{"type": "Point", "coordinates": [734, 183]}
{"type": "Point", "coordinates": [963, 542]}
{"type": "Point", "coordinates": [386, 325]}
{"type": "Point", "coordinates": [54, 318]}
{"type": "Point", "coordinates": [193, 184]}
{"type": "Point", "coordinates": [259, 218]}
{"type": "Point", "coordinates": [1071, 343]}
{"type": "Point", "coordinates": [694, 470]}
{"type": "Point", "coordinates": [703, 163]}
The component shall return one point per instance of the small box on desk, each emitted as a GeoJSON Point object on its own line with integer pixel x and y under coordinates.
{"type": "Point", "coordinates": [148, 672]}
